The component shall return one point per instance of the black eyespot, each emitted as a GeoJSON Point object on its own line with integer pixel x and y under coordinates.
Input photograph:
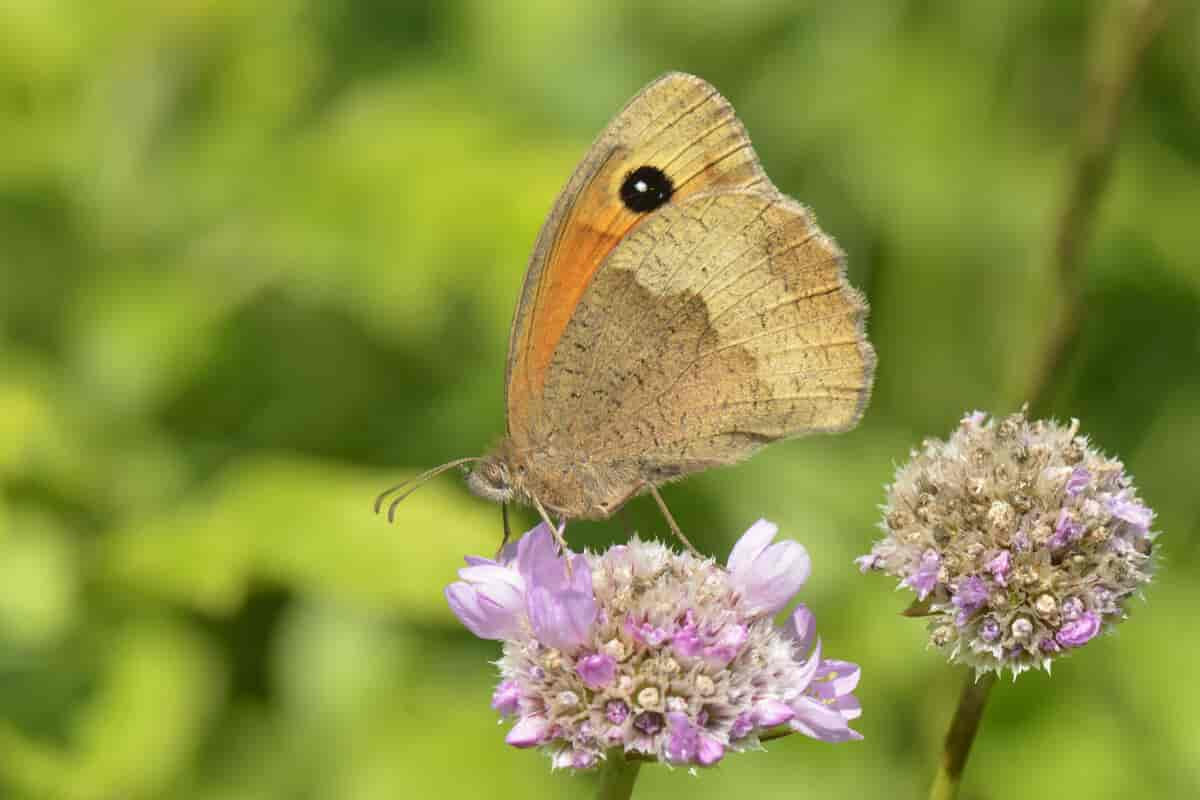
{"type": "Point", "coordinates": [645, 189]}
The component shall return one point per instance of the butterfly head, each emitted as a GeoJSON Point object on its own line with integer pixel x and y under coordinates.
{"type": "Point", "coordinates": [491, 479]}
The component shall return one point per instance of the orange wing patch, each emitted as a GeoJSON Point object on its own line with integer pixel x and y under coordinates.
{"type": "Point", "coordinates": [596, 223]}
{"type": "Point", "coordinates": [679, 125]}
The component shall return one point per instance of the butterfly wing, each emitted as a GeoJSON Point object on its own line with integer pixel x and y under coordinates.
{"type": "Point", "coordinates": [719, 324]}
{"type": "Point", "coordinates": [678, 125]}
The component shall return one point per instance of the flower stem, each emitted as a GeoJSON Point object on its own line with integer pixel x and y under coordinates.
{"type": "Point", "coordinates": [962, 733]}
{"type": "Point", "coordinates": [1123, 37]}
{"type": "Point", "coordinates": [617, 777]}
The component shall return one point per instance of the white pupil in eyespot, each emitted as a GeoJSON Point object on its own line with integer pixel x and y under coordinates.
{"type": "Point", "coordinates": [641, 186]}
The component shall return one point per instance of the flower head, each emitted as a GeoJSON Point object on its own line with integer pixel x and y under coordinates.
{"type": "Point", "coordinates": [656, 652]}
{"type": "Point", "coordinates": [1023, 539]}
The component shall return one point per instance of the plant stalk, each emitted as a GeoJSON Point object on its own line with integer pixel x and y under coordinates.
{"type": "Point", "coordinates": [617, 776]}
{"type": "Point", "coordinates": [1123, 37]}
{"type": "Point", "coordinates": [962, 734]}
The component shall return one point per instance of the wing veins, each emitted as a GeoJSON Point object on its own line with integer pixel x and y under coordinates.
{"type": "Point", "coordinates": [743, 146]}
{"type": "Point", "coordinates": [683, 262]}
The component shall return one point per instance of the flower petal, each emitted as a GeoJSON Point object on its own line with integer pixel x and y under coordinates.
{"type": "Point", "coordinates": [1079, 631]}
{"type": "Point", "coordinates": [1078, 481]}
{"type": "Point", "coordinates": [563, 620]}
{"type": "Point", "coordinates": [681, 744]}
{"type": "Point", "coordinates": [727, 645]}
{"type": "Point", "coordinates": [1133, 512]}
{"type": "Point", "coordinates": [804, 677]}
{"type": "Point", "coordinates": [597, 670]}
{"type": "Point", "coordinates": [710, 751]}
{"type": "Point", "coordinates": [841, 676]}
{"type": "Point", "coordinates": [686, 641]}
{"type": "Point", "coordinates": [769, 713]}
{"type": "Point", "coordinates": [491, 573]}
{"type": "Point", "coordinates": [751, 544]}
{"type": "Point", "coordinates": [538, 561]}
{"type": "Point", "coordinates": [480, 614]}
{"type": "Point", "coordinates": [924, 575]}
{"type": "Point", "coordinates": [507, 697]}
{"type": "Point", "coordinates": [742, 725]}
{"type": "Point", "coordinates": [849, 705]}
{"type": "Point", "coordinates": [801, 627]}
{"type": "Point", "coordinates": [819, 721]}
{"type": "Point", "coordinates": [770, 580]}
{"type": "Point", "coordinates": [528, 732]}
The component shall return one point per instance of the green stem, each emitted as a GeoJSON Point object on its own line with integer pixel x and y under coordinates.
{"type": "Point", "coordinates": [962, 734]}
{"type": "Point", "coordinates": [617, 777]}
{"type": "Point", "coordinates": [1123, 37]}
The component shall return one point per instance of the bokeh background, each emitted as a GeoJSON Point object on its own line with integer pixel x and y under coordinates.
{"type": "Point", "coordinates": [258, 261]}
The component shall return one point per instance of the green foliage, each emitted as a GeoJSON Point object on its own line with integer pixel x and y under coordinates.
{"type": "Point", "coordinates": [258, 261]}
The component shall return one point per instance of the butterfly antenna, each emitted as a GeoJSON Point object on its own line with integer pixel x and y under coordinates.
{"type": "Point", "coordinates": [412, 484]}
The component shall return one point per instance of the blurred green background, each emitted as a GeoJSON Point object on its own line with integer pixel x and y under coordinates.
{"type": "Point", "coordinates": [258, 261]}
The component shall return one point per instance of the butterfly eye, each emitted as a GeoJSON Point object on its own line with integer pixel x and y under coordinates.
{"type": "Point", "coordinates": [645, 189]}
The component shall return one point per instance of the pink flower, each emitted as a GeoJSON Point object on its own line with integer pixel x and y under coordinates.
{"type": "Point", "coordinates": [585, 649]}
{"type": "Point", "coordinates": [1024, 540]}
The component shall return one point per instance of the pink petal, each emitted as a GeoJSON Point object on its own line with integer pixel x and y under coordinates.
{"type": "Point", "coordinates": [528, 732]}
{"type": "Point", "coordinates": [481, 616]}
{"type": "Point", "coordinates": [751, 545]}
{"type": "Point", "coordinates": [820, 721]}
{"type": "Point", "coordinates": [507, 698]}
{"type": "Point", "coordinates": [809, 671]}
{"type": "Point", "coordinates": [492, 573]}
{"type": "Point", "coordinates": [773, 578]}
{"type": "Point", "coordinates": [769, 713]}
{"type": "Point", "coordinates": [561, 620]}
{"type": "Point", "coordinates": [845, 676]}
{"type": "Point", "coordinates": [710, 751]}
{"type": "Point", "coordinates": [801, 627]}
{"type": "Point", "coordinates": [538, 561]}
{"type": "Point", "coordinates": [728, 644]}
{"type": "Point", "coordinates": [597, 670]}
{"type": "Point", "coordinates": [849, 706]}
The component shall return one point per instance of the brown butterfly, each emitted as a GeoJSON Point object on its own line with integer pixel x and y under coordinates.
{"type": "Point", "coordinates": [678, 313]}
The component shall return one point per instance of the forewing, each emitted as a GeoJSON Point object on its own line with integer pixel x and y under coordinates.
{"type": "Point", "coordinates": [680, 125]}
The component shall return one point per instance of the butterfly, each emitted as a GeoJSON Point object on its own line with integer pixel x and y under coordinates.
{"type": "Point", "coordinates": [678, 313]}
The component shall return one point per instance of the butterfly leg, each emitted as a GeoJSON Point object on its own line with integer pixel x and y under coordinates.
{"type": "Point", "coordinates": [507, 530]}
{"type": "Point", "coordinates": [662, 506]}
{"type": "Point", "coordinates": [626, 523]}
{"type": "Point", "coordinates": [555, 530]}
